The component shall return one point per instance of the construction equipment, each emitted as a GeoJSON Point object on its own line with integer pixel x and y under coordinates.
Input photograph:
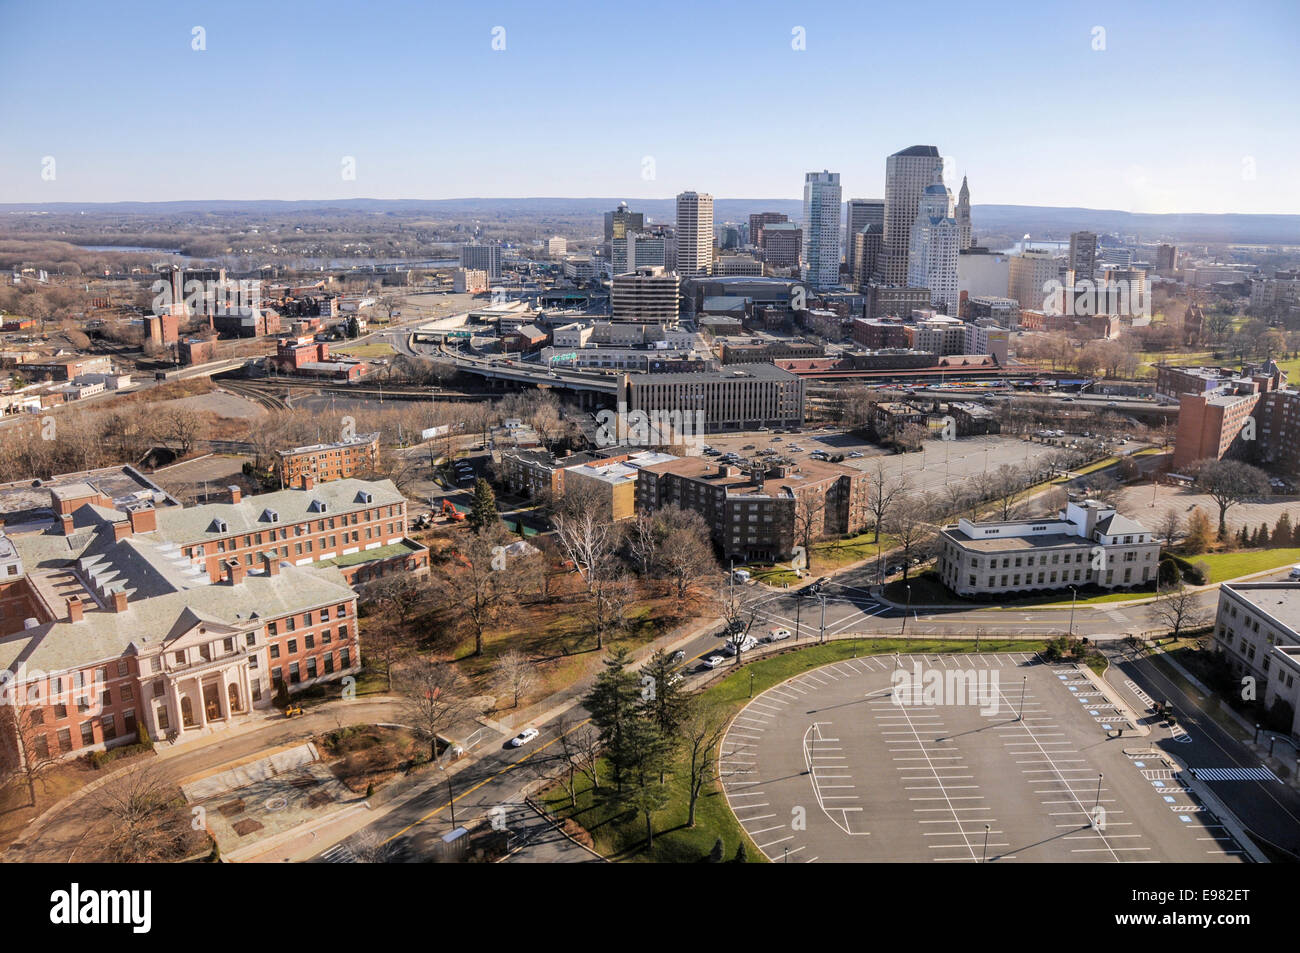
{"type": "Point", "coordinates": [292, 710]}
{"type": "Point", "coordinates": [449, 510]}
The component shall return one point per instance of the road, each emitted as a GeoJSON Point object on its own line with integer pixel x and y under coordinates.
{"type": "Point", "coordinates": [1267, 807]}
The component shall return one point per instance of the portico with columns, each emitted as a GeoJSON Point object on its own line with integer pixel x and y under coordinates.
{"type": "Point", "coordinates": [201, 677]}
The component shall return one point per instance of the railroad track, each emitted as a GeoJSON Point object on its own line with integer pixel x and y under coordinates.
{"type": "Point", "coordinates": [266, 398]}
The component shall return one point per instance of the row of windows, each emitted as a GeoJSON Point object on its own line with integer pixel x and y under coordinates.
{"type": "Point", "coordinates": [296, 673]}
{"type": "Point", "coordinates": [63, 736]}
{"type": "Point", "coordinates": [309, 642]}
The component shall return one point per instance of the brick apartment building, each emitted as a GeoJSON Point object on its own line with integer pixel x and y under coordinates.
{"type": "Point", "coordinates": [329, 461]}
{"type": "Point", "coordinates": [120, 609]}
{"type": "Point", "coordinates": [759, 514]}
{"type": "Point", "coordinates": [876, 335]}
{"type": "Point", "coordinates": [1213, 415]}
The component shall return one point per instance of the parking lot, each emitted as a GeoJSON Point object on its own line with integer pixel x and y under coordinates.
{"type": "Point", "coordinates": [939, 463]}
{"type": "Point", "coordinates": [1008, 759]}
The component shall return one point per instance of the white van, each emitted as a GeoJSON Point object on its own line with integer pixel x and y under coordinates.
{"type": "Point", "coordinates": [741, 575]}
{"type": "Point", "coordinates": [1295, 571]}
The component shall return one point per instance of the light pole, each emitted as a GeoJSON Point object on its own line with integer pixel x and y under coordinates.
{"type": "Point", "coordinates": [907, 611]}
{"type": "Point", "coordinates": [1097, 803]}
{"type": "Point", "coordinates": [823, 633]}
{"type": "Point", "coordinates": [1074, 595]}
{"type": "Point", "coordinates": [1024, 680]}
{"type": "Point", "coordinates": [985, 859]}
{"type": "Point", "coordinates": [798, 606]}
{"type": "Point", "coordinates": [751, 683]}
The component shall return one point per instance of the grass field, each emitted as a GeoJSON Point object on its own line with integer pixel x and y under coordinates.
{"type": "Point", "coordinates": [368, 349]}
{"type": "Point", "coordinates": [827, 556]}
{"type": "Point", "coordinates": [619, 832]}
{"type": "Point", "coordinates": [1232, 565]}
{"type": "Point", "coordinates": [928, 590]}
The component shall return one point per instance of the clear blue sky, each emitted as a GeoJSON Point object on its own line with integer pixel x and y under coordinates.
{"type": "Point", "coordinates": [1186, 100]}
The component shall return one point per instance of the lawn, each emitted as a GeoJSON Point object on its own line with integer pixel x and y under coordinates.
{"type": "Point", "coordinates": [1232, 565]}
{"type": "Point", "coordinates": [368, 349]}
{"type": "Point", "coordinates": [827, 556]}
{"type": "Point", "coordinates": [619, 834]}
{"type": "Point", "coordinates": [928, 590]}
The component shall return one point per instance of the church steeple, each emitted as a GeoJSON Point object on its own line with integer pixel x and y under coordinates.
{"type": "Point", "coordinates": [963, 214]}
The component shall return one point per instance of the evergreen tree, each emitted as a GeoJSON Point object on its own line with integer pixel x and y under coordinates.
{"type": "Point", "coordinates": [662, 702]}
{"type": "Point", "coordinates": [1243, 538]}
{"type": "Point", "coordinates": [715, 855]}
{"type": "Point", "coordinates": [613, 701]}
{"type": "Point", "coordinates": [1282, 533]}
{"type": "Point", "coordinates": [742, 855]}
{"type": "Point", "coordinates": [1262, 538]}
{"type": "Point", "coordinates": [483, 508]}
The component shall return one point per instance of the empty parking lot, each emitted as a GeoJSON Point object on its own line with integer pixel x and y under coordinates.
{"type": "Point", "coordinates": [967, 759]}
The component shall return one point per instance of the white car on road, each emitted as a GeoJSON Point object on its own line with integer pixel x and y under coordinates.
{"type": "Point", "coordinates": [713, 661]}
{"type": "Point", "coordinates": [778, 635]}
{"type": "Point", "coordinates": [525, 736]}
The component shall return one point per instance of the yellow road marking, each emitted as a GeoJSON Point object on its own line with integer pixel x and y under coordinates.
{"type": "Point", "coordinates": [506, 769]}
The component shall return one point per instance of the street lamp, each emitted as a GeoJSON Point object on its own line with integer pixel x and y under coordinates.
{"type": "Point", "coordinates": [985, 859]}
{"type": "Point", "coordinates": [1024, 680]}
{"type": "Point", "coordinates": [907, 611]}
{"type": "Point", "coordinates": [822, 597]}
{"type": "Point", "coordinates": [798, 605]}
{"type": "Point", "coordinates": [1074, 595]}
{"type": "Point", "coordinates": [751, 683]}
{"type": "Point", "coordinates": [1097, 804]}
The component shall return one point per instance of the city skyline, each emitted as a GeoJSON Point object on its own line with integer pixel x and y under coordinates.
{"type": "Point", "coordinates": [174, 116]}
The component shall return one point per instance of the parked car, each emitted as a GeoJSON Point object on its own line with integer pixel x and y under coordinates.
{"type": "Point", "coordinates": [525, 736]}
{"type": "Point", "coordinates": [1295, 572]}
{"type": "Point", "coordinates": [678, 657]}
{"type": "Point", "coordinates": [713, 661]}
{"type": "Point", "coordinates": [855, 454]}
{"type": "Point", "coordinates": [741, 575]}
{"type": "Point", "coordinates": [778, 635]}
{"type": "Point", "coordinates": [747, 643]}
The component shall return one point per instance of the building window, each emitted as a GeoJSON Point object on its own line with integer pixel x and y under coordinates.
{"type": "Point", "coordinates": [310, 640]}
{"type": "Point", "coordinates": [311, 667]}
{"type": "Point", "coordinates": [122, 668]}
{"type": "Point", "coordinates": [87, 733]}
{"type": "Point", "coordinates": [275, 650]}
{"type": "Point", "coordinates": [42, 747]}
{"type": "Point", "coordinates": [276, 675]}
{"type": "Point", "coordinates": [65, 739]}
{"type": "Point", "coordinates": [344, 658]}
{"type": "Point", "coordinates": [250, 638]}
{"type": "Point", "coordinates": [163, 724]}
{"type": "Point", "coordinates": [108, 724]}
{"type": "Point", "coordinates": [293, 646]}
{"type": "Point", "coordinates": [294, 677]}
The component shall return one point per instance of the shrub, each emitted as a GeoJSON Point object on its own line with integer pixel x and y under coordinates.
{"type": "Point", "coordinates": [1199, 574]}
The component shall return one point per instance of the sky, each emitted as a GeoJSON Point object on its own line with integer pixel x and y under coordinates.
{"type": "Point", "coordinates": [1141, 106]}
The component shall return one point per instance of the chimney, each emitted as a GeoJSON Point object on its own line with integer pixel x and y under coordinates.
{"type": "Point", "coordinates": [121, 530]}
{"type": "Point", "coordinates": [270, 564]}
{"type": "Point", "coordinates": [308, 481]}
{"type": "Point", "coordinates": [74, 609]}
{"type": "Point", "coordinates": [236, 572]}
{"type": "Point", "coordinates": [144, 519]}
{"type": "Point", "coordinates": [235, 494]}
{"type": "Point", "coordinates": [66, 521]}
{"type": "Point", "coordinates": [119, 601]}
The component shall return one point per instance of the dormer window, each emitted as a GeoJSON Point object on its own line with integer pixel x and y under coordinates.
{"type": "Point", "coordinates": [270, 516]}
{"type": "Point", "coordinates": [318, 506]}
{"type": "Point", "coordinates": [364, 497]}
{"type": "Point", "coordinates": [219, 526]}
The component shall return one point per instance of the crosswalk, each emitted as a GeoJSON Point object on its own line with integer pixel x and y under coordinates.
{"type": "Point", "coordinates": [1234, 774]}
{"type": "Point", "coordinates": [339, 854]}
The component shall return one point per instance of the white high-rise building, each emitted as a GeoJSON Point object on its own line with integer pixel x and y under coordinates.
{"type": "Point", "coordinates": [637, 249]}
{"type": "Point", "coordinates": [907, 174]}
{"type": "Point", "coordinates": [821, 229]}
{"type": "Point", "coordinates": [860, 214]}
{"type": "Point", "coordinates": [694, 234]}
{"type": "Point", "coordinates": [932, 256]}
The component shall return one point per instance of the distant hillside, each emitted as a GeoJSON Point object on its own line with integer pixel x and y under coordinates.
{"type": "Point", "coordinates": [1042, 222]}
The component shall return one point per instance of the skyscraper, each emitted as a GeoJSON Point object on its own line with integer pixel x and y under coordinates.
{"type": "Point", "coordinates": [860, 214]}
{"type": "Point", "coordinates": [821, 229]}
{"type": "Point", "coordinates": [963, 214]}
{"type": "Point", "coordinates": [479, 257]}
{"type": "Point", "coordinates": [694, 234]}
{"type": "Point", "coordinates": [1083, 256]}
{"type": "Point", "coordinates": [907, 174]}
{"type": "Point", "coordinates": [618, 223]}
{"type": "Point", "coordinates": [758, 220]}
{"type": "Point", "coordinates": [1032, 275]}
{"type": "Point", "coordinates": [932, 257]}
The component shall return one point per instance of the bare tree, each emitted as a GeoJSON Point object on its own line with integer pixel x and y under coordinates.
{"type": "Point", "coordinates": [1177, 609]}
{"type": "Point", "coordinates": [883, 490]}
{"type": "Point", "coordinates": [24, 748]}
{"type": "Point", "coordinates": [911, 531]}
{"type": "Point", "coordinates": [740, 618]}
{"type": "Point", "coordinates": [368, 847]}
{"type": "Point", "coordinates": [476, 579]}
{"type": "Point", "coordinates": [1169, 525]}
{"type": "Point", "coordinates": [590, 543]}
{"type": "Point", "coordinates": [514, 674]}
{"type": "Point", "coordinates": [579, 751]}
{"type": "Point", "coordinates": [701, 734]}
{"type": "Point", "coordinates": [434, 697]}
{"type": "Point", "coordinates": [146, 818]}
{"type": "Point", "coordinates": [1229, 482]}
{"type": "Point", "coordinates": [809, 520]}
{"type": "Point", "coordinates": [686, 556]}
{"type": "Point", "coordinates": [643, 540]}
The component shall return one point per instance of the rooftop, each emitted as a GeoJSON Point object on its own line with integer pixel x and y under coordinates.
{"type": "Point", "coordinates": [1279, 601]}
